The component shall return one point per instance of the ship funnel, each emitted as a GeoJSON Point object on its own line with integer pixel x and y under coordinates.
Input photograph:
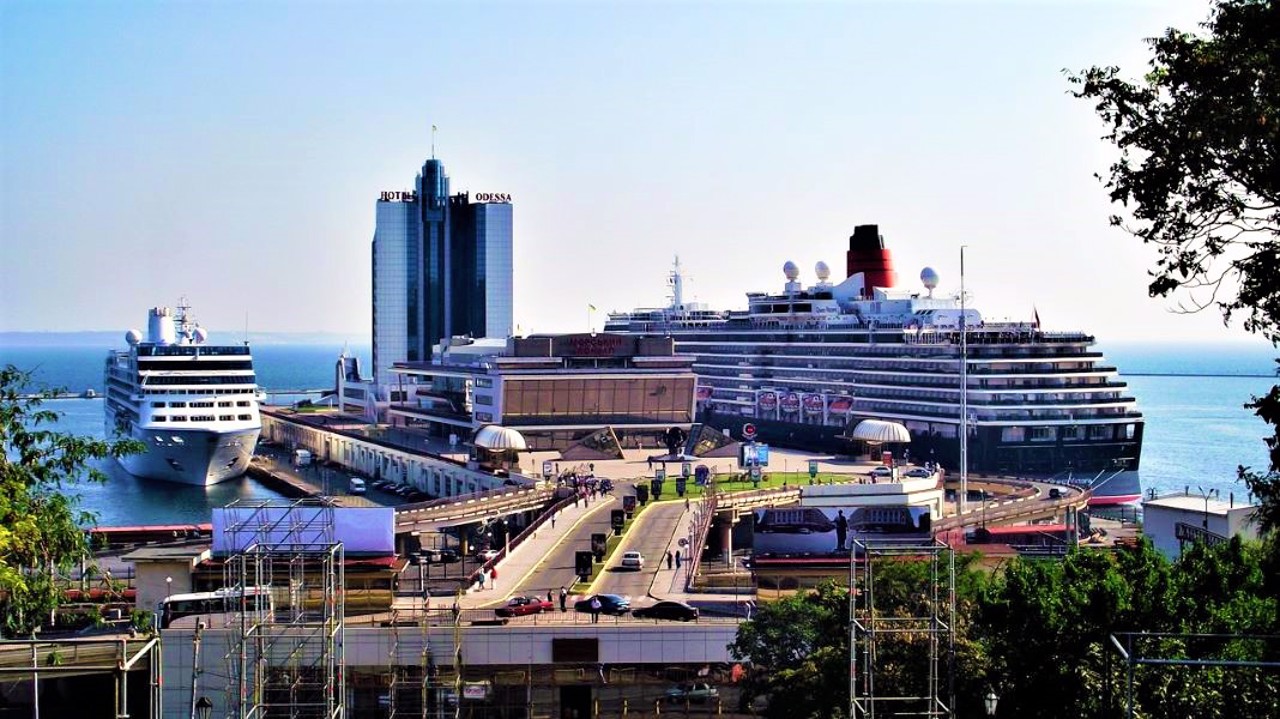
{"type": "Point", "coordinates": [867, 254]}
{"type": "Point", "coordinates": [160, 329]}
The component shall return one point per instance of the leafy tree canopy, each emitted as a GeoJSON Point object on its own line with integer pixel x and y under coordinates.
{"type": "Point", "coordinates": [41, 528]}
{"type": "Point", "coordinates": [1199, 173]}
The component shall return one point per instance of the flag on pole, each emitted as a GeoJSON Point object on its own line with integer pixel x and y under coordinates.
{"type": "Point", "coordinates": [433, 128]}
{"type": "Point", "coordinates": [1037, 314]}
{"type": "Point", "coordinates": [591, 307]}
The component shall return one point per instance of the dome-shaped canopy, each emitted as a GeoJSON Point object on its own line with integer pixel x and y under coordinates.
{"type": "Point", "coordinates": [497, 438]}
{"type": "Point", "coordinates": [877, 430]}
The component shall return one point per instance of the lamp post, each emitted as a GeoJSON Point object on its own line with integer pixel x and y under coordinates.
{"type": "Point", "coordinates": [990, 701]}
{"type": "Point", "coordinates": [168, 587]}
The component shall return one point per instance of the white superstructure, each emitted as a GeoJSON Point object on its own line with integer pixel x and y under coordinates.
{"type": "Point", "coordinates": [194, 405]}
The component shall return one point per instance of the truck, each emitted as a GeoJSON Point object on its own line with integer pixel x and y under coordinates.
{"type": "Point", "coordinates": [301, 457]}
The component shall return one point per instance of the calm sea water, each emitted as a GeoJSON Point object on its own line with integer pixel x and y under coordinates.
{"type": "Point", "coordinates": [1197, 431]}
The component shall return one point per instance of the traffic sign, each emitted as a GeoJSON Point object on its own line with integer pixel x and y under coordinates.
{"type": "Point", "coordinates": [749, 431]}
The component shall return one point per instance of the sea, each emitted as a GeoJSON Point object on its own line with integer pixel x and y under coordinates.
{"type": "Point", "coordinates": [1192, 395]}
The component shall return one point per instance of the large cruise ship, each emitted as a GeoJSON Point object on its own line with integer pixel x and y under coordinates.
{"type": "Point", "coordinates": [194, 405]}
{"type": "Point", "coordinates": [806, 365]}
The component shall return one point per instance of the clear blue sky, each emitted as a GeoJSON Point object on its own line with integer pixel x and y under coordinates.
{"type": "Point", "coordinates": [233, 152]}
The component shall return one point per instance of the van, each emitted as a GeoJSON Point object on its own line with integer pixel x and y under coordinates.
{"type": "Point", "coordinates": [301, 457]}
{"type": "Point", "coordinates": [355, 486]}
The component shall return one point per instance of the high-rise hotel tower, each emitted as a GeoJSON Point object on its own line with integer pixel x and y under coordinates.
{"type": "Point", "coordinates": [441, 268]}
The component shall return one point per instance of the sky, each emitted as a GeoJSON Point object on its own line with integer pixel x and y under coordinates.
{"type": "Point", "coordinates": [232, 153]}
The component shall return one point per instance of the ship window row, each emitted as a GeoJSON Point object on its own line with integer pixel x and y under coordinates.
{"type": "Point", "coordinates": [220, 390]}
{"type": "Point", "coordinates": [1097, 432]}
{"type": "Point", "coordinates": [205, 365]}
{"type": "Point", "coordinates": [863, 379]}
{"type": "Point", "coordinates": [941, 365]}
{"type": "Point", "coordinates": [189, 350]}
{"type": "Point", "coordinates": [201, 379]}
{"type": "Point", "coordinates": [865, 406]}
{"type": "Point", "coordinates": [844, 345]}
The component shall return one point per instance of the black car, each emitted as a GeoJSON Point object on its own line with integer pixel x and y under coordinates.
{"type": "Point", "coordinates": [678, 611]}
{"type": "Point", "coordinates": [609, 604]}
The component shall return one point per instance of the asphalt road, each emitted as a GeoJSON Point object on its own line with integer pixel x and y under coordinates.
{"type": "Point", "coordinates": [651, 537]}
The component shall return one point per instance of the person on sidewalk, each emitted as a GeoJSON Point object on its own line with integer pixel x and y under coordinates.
{"type": "Point", "coordinates": [493, 577]}
{"type": "Point", "coordinates": [564, 599]}
{"type": "Point", "coordinates": [553, 519]}
{"type": "Point", "coordinates": [549, 599]}
{"type": "Point", "coordinates": [677, 559]}
{"type": "Point", "coordinates": [668, 559]}
{"type": "Point", "coordinates": [595, 610]}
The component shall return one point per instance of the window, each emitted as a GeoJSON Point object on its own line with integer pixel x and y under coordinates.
{"type": "Point", "coordinates": [246, 417]}
{"type": "Point", "coordinates": [1044, 434]}
{"type": "Point", "coordinates": [226, 417]}
{"type": "Point", "coordinates": [157, 404]}
{"type": "Point", "coordinates": [224, 404]}
{"type": "Point", "coordinates": [242, 403]}
{"type": "Point", "coordinates": [484, 399]}
{"type": "Point", "coordinates": [159, 418]}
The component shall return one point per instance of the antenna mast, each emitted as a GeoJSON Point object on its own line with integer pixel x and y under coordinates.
{"type": "Point", "coordinates": [964, 398]}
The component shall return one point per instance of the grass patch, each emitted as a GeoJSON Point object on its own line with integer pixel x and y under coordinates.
{"type": "Point", "coordinates": [741, 482]}
{"type": "Point", "coordinates": [610, 546]}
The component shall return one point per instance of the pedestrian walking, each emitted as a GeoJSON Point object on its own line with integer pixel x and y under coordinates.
{"type": "Point", "coordinates": [553, 519]}
{"type": "Point", "coordinates": [668, 559]}
{"type": "Point", "coordinates": [677, 559]}
{"type": "Point", "coordinates": [564, 599]}
{"type": "Point", "coordinates": [493, 577]}
{"type": "Point", "coordinates": [649, 459]}
{"type": "Point", "coordinates": [549, 599]}
{"type": "Point", "coordinates": [595, 610]}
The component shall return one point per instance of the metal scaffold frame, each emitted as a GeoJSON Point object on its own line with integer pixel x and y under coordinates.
{"type": "Point", "coordinates": [285, 656]}
{"type": "Point", "coordinates": [869, 625]}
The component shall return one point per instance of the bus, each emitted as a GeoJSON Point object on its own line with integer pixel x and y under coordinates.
{"type": "Point", "coordinates": [221, 604]}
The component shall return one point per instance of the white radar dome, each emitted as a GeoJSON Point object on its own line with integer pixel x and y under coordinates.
{"type": "Point", "coordinates": [791, 271]}
{"type": "Point", "coordinates": [822, 271]}
{"type": "Point", "coordinates": [133, 337]}
{"type": "Point", "coordinates": [929, 277]}
{"type": "Point", "coordinates": [199, 335]}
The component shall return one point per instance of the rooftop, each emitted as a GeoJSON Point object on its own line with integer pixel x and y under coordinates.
{"type": "Point", "coordinates": [1196, 503]}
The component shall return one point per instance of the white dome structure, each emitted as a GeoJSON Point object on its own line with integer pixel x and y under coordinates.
{"type": "Point", "coordinates": [497, 439]}
{"type": "Point", "coordinates": [199, 335]}
{"type": "Point", "coordinates": [822, 271]}
{"type": "Point", "coordinates": [791, 270]}
{"type": "Point", "coordinates": [929, 278]}
{"type": "Point", "coordinates": [878, 431]}
{"type": "Point", "coordinates": [133, 337]}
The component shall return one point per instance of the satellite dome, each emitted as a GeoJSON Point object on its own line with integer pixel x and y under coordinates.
{"type": "Point", "coordinates": [929, 277]}
{"type": "Point", "coordinates": [200, 335]}
{"type": "Point", "coordinates": [822, 271]}
{"type": "Point", "coordinates": [133, 337]}
{"type": "Point", "coordinates": [791, 271]}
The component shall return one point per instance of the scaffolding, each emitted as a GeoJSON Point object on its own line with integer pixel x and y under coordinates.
{"type": "Point", "coordinates": [928, 618]}
{"type": "Point", "coordinates": [286, 580]}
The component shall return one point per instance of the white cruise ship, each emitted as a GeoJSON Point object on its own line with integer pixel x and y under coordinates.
{"type": "Point", "coordinates": [194, 405]}
{"type": "Point", "coordinates": [804, 366]}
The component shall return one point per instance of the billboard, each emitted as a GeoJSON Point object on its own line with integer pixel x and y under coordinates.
{"type": "Point", "coordinates": [795, 530]}
{"type": "Point", "coordinates": [361, 530]}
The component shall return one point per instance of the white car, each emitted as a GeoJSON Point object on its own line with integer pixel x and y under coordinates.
{"type": "Point", "coordinates": [881, 471]}
{"type": "Point", "coordinates": [485, 555]}
{"type": "Point", "coordinates": [632, 560]}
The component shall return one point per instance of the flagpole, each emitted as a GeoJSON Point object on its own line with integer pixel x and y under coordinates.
{"type": "Point", "coordinates": [964, 398]}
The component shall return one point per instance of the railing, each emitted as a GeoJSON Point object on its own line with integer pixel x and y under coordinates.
{"type": "Point", "coordinates": [442, 614]}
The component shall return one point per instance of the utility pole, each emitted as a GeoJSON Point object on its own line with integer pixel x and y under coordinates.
{"type": "Point", "coordinates": [964, 397]}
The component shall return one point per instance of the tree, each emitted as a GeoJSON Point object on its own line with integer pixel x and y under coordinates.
{"type": "Point", "coordinates": [41, 528]}
{"type": "Point", "coordinates": [1199, 168]}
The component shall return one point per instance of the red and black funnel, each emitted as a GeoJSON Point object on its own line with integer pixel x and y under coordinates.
{"type": "Point", "coordinates": [868, 255]}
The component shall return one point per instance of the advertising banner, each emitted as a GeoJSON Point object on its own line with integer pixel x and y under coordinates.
{"type": "Point", "coordinates": [788, 531]}
{"type": "Point", "coordinates": [362, 530]}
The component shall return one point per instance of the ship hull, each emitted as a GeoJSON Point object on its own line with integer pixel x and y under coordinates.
{"type": "Point", "coordinates": [197, 457]}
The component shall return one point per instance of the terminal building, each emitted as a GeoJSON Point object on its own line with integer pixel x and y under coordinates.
{"type": "Point", "coordinates": [617, 391]}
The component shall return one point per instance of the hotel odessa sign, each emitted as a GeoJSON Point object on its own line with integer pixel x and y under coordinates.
{"type": "Point", "coordinates": [399, 196]}
{"type": "Point", "coordinates": [494, 197]}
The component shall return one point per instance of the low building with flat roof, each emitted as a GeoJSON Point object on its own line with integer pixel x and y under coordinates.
{"type": "Point", "coordinates": [1174, 521]}
{"type": "Point", "coordinates": [555, 390]}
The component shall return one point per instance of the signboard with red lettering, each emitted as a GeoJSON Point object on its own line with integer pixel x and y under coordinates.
{"type": "Point", "coordinates": [597, 345]}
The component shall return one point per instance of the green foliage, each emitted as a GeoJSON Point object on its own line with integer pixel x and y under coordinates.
{"type": "Point", "coordinates": [1199, 171]}
{"type": "Point", "coordinates": [41, 529]}
{"type": "Point", "coordinates": [1039, 633]}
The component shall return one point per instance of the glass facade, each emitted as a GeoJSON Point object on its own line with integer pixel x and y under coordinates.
{"type": "Point", "coordinates": [395, 287]}
{"type": "Point", "coordinates": [598, 401]}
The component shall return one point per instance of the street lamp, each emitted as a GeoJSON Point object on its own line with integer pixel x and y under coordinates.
{"type": "Point", "coordinates": [990, 701]}
{"type": "Point", "coordinates": [168, 587]}
{"type": "Point", "coordinates": [204, 708]}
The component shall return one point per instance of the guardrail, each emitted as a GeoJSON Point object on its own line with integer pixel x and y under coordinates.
{"type": "Point", "coordinates": [470, 505]}
{"type": "Point", "coordinates": [445, 616]}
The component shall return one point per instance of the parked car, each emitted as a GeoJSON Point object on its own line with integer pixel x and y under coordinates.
{"type": "Point", "coordinates": [632, 560]}
{"type": "Point", "coordinates": [1055, 493]}
{"type": "Point", "coordinates": [609, 604]}
{"type": "Point", "coordinates": [881, 471]}
{"type": "Point", "coordinates": [438, 556]}
{"type": "Point", "coordinates": [920, 472]}
{"type": "Point", "coordinates": [695, 693]}
{"type": "Point", "coordinates": [485, 555]}
{"type": "Point", "coordinates": [520, 606]}
{"type": "Point", "coordinates": [678, 611]}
